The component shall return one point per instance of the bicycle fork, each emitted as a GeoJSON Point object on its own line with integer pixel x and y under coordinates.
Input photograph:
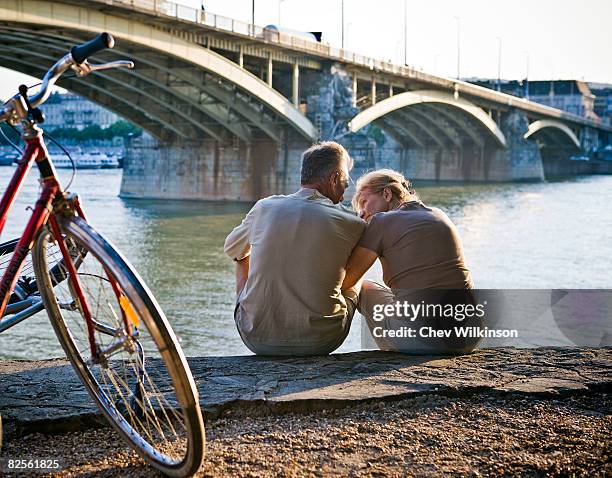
{"type": "Point", "coordinates": [129, 318]}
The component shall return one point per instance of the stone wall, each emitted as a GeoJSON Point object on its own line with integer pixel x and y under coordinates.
{"type": "Point", "coordinates": [329, 99]}
{"type": "Point", "coordinates": [39, 396]}
{"type": "Point", "coordinates": [209, 170]}
{"type": "Point", "coordinates": [521, 159]}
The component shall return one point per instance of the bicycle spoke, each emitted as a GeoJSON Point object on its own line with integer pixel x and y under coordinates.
{"type": "Point", "coordinates": [129, 370]}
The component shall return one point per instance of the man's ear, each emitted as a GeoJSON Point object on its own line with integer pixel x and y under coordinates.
{"type": "Point", "coordinates": [333, 179]}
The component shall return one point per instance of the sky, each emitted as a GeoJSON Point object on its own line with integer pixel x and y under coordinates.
{"type": "Point", "coordinates": [543, 39]}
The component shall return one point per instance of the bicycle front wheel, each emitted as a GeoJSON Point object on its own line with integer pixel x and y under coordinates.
{"type": "Point", "coordinates": [128, 358]}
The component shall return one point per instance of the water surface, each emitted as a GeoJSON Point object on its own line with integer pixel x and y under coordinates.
{"type": "Point", "coordinates": [516, 236]}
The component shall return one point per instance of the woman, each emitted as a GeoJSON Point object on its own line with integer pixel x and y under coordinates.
{"type": "Point", "coordinates": [423, 264]}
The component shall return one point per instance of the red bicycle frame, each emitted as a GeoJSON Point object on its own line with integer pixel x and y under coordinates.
{"type": "Point", "coordinates": [36, 152]}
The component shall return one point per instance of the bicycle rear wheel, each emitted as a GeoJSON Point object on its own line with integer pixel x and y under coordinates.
{"type": "Point", "coordinates": [138, 374]}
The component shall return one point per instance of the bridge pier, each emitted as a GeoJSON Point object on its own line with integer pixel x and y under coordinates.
{"type": "Point", "coordinates": [209, 170]}
{"type": "Point", "coordinates": [235, 170]}
{"type": "Point", "coordinates": [521, 160]}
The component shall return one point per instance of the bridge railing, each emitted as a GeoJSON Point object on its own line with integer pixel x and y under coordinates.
{"type": "Point", "coordinates": [220, 22]}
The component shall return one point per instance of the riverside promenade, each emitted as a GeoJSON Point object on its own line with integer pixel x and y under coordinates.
{"type": "Point", "coordinates": [377, 401]}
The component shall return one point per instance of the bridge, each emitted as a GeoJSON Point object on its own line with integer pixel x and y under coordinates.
{"type": "Point", "coordinates": [230, 106]}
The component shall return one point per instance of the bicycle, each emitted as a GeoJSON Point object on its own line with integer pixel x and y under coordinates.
{"type": "Point", "coordinates": [106, 319]}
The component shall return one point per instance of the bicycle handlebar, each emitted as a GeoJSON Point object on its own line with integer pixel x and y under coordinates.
{"type": "Point", "coordinates": [77, 60]}
{"type": "Point", "coordinates": [103, 41]}
{"type": "Point", "coordinates": [49, 80]}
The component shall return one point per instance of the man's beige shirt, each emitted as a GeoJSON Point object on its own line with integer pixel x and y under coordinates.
{"type": "Point", "coordinates": [298, 246]}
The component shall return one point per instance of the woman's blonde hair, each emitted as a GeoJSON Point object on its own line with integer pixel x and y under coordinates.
{"type": "Point", "coordinates": [377, 181]}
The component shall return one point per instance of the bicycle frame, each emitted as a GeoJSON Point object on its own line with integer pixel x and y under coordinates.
{"type": "Point", "coordinates": [36, 152]}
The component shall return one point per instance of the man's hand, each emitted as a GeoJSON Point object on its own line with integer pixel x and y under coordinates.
{"type": "Point", "coordinates": [242, 274]}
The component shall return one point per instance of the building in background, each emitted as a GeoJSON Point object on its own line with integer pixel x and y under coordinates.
{"type": "Point", "coordinates": [84, 128]}
{"type": "Point", "coordinates": [67, 110]}
{"type": "Point", "coordinates": [573, 96]}
{"type": "Point", "coordinates": [603, 101]}
{"type": "Point", "coordinates": [511, 87]}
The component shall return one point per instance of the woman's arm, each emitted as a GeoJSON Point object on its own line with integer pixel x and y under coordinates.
{"type": "Point", "coordinates": [359, 262]}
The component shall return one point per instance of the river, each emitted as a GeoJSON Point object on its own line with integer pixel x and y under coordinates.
{"type": "Point", "coordinates": [555, 234]}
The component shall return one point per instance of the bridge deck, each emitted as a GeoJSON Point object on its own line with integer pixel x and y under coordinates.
{"type": "Point", "coordinates": [187, 21]}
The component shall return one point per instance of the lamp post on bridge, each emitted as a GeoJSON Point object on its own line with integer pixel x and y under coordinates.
{"type": "Point", "coordinates": [527, 75]}
{"type": "Point", "coordinates": [253, 16]}
{"type": "Point", "coordinates": [499, 52]}
{"type": "Point", "coordinates": [342, 19]}
{"type": "Point", "coordinates": [458, 46]}
{"type": "Point", "coordinates": [405, 32]}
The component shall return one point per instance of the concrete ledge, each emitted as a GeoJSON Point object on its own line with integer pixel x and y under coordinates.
{"type": "Point", "coordinates": [46, 396]}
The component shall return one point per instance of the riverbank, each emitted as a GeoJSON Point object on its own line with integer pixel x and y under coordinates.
{"type": "Point", "coordinates": [509, 411]}
{"type": "Point", "coordinates": [423, 436]}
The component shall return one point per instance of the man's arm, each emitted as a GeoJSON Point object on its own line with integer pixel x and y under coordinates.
{"type": "Point", "coordinates": [238, 247]}
{"type": "Point", "coordinates": [242, 274]}
{"type": "Point", "coordinates": [238, 242]}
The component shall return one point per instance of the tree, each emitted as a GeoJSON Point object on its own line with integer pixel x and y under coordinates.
{"type": "Point", "coordinates": [122, 129]}
{"type": "Point", "coordinates": [119, 128]}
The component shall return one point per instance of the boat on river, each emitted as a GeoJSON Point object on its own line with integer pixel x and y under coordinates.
{"type": "Point", "coordinates": [92, 160]}
{"type": "Point", "coordinates": [110, 161]}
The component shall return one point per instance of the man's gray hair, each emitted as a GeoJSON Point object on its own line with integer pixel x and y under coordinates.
{"type": "Point", "coordinates": [321, 159]}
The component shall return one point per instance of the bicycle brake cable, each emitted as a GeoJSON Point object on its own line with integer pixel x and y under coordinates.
{"type": "Point", "coordinates": [74, 171]}
{"type": "Point", "coordinates": [53, 140]}
{"type": "Point", "coordinates": [19, 150]}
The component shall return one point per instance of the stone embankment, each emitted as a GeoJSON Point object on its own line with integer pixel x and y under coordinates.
{"type": "Point", "coordinates": [46, 396]}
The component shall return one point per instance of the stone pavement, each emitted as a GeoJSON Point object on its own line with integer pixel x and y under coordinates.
{"type": "Point", "coordinates": [46, 395]}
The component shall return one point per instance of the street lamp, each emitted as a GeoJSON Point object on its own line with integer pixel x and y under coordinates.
{"type": "Point", "coordinates": [499, 52]}
{"type": "Point", "coordinates": [342, 15]}
{"type": "Point", "coordinates": [527, 75]}
{"type": "Point", "coordinates": [253, 17]}
{"type": "Point", "coordinates": [405, 32]}
{"type": "Point", "coordinates": [458, 47]}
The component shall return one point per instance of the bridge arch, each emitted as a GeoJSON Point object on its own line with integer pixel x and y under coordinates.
{"type": "Point", "coordinates": [552, 132]}
{"type": "Point", "coordinates": [432, 100]}
{"type": "Point", "coordinates": [201, 90]}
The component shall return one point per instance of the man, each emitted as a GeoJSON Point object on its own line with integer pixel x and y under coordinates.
{"type": "Point", "coordinates": [291, 253]}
